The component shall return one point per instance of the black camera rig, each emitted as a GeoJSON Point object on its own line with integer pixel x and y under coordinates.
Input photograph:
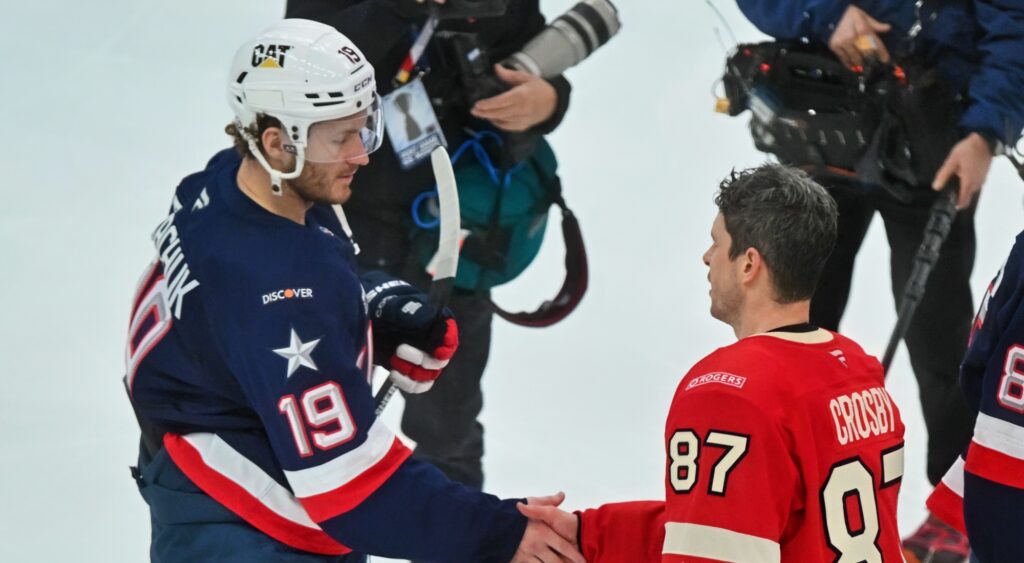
{"type": "Point", "coordinates": [568, 40]}
{"type": "Point", "coordinates": [455, 9]}
{"type": "Point", "coordinates": [885, 125]}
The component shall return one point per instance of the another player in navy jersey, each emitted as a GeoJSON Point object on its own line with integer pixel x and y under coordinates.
{"type": "Point", "coordinates": [253, 338]}
{"type": "Point", "coordinates": [983, 493]}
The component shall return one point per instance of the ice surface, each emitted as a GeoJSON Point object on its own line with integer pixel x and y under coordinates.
{"type": "Point", "coordinates": [106, 105]}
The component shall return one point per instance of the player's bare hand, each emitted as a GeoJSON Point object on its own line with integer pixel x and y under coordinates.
{"type": "Point", "coordinates": [530, 101]}
{"type": "Point", "coordinates": [541, 543]}
{"type": "Point", "coordinates": [855, 24]}
{"type": "Point", "coordinates": [970, 161]}
{"type": "Point", "coordinates": [549, 500]}
{"type": "Point", "coordinates": [563, 523]}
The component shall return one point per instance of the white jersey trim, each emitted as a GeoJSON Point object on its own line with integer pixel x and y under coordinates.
{"type": "Point", "coordinates": [818, 336]}
{"type": "Point", "coordinates": [954, 478]}
{"type": "Point", "coordinates": [222, 458]}
{"type": "Point", "coordinates": [345, 468]}
{"type": "Point", "coordinates": [709, 542]}
{"type": "Point", "coordinates": [999, 435]}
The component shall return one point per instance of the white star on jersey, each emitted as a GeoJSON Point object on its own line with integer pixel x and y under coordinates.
{"type": "Point", "coordinates": [298, 353]}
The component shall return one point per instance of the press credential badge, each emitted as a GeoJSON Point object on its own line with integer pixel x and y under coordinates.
{"type": "Point", "coordinates": [411, 124]}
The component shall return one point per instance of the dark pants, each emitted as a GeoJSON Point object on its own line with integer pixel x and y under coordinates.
{"type": "Point", "coordinates": [190, 527]}
{"type": "Point", "coordinates": [443, 421]}
{"type": "Point", "coordinates": [937, 336]}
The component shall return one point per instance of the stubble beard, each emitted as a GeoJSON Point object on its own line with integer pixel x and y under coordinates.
{"type": "Point", "coordinates": [314, 186]}
{"type": "Point", "coordinates": [726, 308]}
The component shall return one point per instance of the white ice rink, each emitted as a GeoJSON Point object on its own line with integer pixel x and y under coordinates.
{"type": "Point", "coordinates": [106, 105]}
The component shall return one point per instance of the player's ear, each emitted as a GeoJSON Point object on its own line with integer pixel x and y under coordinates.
{"type": "Point", "coordinates": [272, 140]}
{"type": "Point", "coordinates": [751, 264]}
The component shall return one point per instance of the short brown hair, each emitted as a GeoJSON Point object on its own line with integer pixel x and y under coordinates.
{"type": "Point", "coordinates": [263, 122]}
{"type": "Point", "coordinates": [788, 217]}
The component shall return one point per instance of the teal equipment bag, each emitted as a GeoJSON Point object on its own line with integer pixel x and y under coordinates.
{"type": "Point", "coordinates": [504, 218]}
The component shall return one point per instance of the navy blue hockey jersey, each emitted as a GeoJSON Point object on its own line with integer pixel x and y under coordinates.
{"type": "Point", "coordinates": [983, 493]}
{"type": "Point", "coordinates": [249, 351]}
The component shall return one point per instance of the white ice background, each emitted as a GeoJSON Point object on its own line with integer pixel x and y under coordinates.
{"type": "Point", "coordinates": [106, 105]}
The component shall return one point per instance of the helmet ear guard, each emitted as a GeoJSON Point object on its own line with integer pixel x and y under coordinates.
{"type": "Point", "coordinates": [301, 73]}
{"type": "Point", "coordinates": [275, 175]}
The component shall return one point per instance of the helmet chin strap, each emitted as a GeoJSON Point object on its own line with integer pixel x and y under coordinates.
{"type": "Point", "coordinates": [340, 214]}
{"type": "Point", "coordinates": [275, 175]}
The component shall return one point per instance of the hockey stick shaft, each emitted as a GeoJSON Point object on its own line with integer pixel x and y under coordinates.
{"type": "Point", "coordinates": [447, 250]}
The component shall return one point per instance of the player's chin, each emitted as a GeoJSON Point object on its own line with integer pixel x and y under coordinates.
{"type": "Point", "coordinates": [341, 189]}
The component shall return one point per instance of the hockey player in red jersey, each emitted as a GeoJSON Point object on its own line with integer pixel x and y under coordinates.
{"type": "Point", "coordinates": [784, 446]}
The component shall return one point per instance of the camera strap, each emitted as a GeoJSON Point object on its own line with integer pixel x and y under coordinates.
{"type": "Point", "coordinates": [416, 51]}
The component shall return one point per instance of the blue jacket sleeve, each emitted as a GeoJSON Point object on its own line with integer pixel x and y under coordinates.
{"type": "Point", "coordinates": [793, 19]}
{"type": "Point", "coordinates": [996, 106]}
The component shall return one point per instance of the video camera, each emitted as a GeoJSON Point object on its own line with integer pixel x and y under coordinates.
{"type": "Point", "coordinates": [564, 43]}
{"type": "Point", "coordinates": [886, 125]}
{"type": "Point", "coordinates": [462, 9]}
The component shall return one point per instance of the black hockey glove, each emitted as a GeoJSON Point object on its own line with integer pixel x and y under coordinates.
{"type": "Point", "coordinates": [410, 336]}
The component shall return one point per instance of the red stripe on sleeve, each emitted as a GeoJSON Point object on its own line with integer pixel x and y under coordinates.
{"type": "Point", "coordinates": [346, 497]}
{"type": "Point", "coordinates": [995, 466]}
{"type": "Point", "coordinates": [947, 506]}
{"type": "Point", "coordinates": [249, 508]}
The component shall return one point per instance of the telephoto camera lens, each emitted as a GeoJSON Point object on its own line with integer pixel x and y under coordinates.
{"type": "Point", "coordinates": [568, 40]}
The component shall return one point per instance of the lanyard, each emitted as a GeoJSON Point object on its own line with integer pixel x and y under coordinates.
{"type": "Point", "coordinates": [418, 46]}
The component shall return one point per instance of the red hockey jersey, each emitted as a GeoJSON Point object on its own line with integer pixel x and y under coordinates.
{"type": "Point", "coordinates": [781, 447]}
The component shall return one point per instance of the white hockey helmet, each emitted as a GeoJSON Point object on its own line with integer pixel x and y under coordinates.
{"type": "Point", "coordinates": [305, 73]}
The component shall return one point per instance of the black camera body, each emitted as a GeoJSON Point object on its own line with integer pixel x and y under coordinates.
{"type": "Point", "coordinates": [568, 40]}
{"type": "Point", "coordinates": [474, 80]}
{"type": "Point", "coordinates": [462, 9]}
{"type": "Point", "coordinates": [886, 125]}
{"type": "Point", "coordinates": [471, 65]}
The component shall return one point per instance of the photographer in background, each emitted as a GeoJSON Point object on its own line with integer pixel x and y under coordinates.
{"type": "Point", "coordinates": [399, 42]}
{"type": "Point", "coordinates": [976, 46]}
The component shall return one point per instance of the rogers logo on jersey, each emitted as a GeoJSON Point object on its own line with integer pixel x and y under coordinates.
{"type": "Point", "coordinates": [737, 381]}
{"type": "Point", "coordinates": [290, 293]}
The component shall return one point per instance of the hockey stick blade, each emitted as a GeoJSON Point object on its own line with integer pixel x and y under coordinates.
{"type": "Point", "coordinates": [451, 221]}
{"type": "Point", "coordinates": [447, 249]}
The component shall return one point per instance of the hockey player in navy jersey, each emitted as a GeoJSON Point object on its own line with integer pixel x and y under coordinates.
{"type": "Point", "coordinates": [983, 493]}
{"type": "Point", "coordinates": [251, 346]}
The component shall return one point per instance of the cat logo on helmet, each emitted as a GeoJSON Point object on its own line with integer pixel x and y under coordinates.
{"type": "Point", "coordinates": [269, 56]}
